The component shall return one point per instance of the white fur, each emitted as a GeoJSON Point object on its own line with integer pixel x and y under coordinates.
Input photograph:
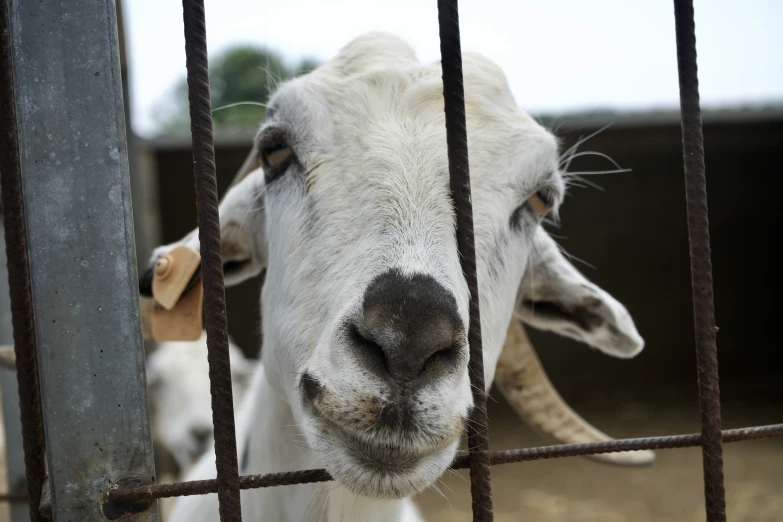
{"type": "Point", "coordinates": [369, 193]}
{"type": "Point", "coordinates": [178, 381]}
{"type": "Point", "coordinates": [550, 277]}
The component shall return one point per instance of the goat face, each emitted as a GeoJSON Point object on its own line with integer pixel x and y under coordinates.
{"type": "Point", "coordinates": [178, 381]}
{"type": "Point", "coordinates": [365, 304]}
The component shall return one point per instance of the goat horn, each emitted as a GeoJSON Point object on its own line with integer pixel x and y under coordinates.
{"type": "Point", "coordinates": [523, 382]}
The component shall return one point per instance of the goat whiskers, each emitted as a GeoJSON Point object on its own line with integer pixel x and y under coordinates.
{"type": "Point", "coordinates": [582, 140]}
{"type": "Point", "coordinates": [222, 107]}
{"type": "Point", "coordinates": [594, 153]}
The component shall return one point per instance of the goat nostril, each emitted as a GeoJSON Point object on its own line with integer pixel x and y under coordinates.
{"type": "Point", "coordinates": [373, 352]}
{"type": "Point", "coordinates": [405, 320]}
{"type": "Point", "coordinates": [360, 338]}
{"type": "Point", "coordinates": [403, 366]}
{"type": "Point", "coordinates": [443, 360]}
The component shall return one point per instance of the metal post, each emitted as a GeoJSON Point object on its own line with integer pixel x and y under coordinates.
{"type": "Point", "coordinates": [145, 218]}
{"type": "Point", "coordinates": [701, 262]}
{"type": "Point", "coordinates": [18, 268]}
{"type": "Point", "coordinates": [145, 214]}
{"type": "Point", "coordinates": [459, 176]}
{"type": "Point", "coordinates": [14, 449]}
{"type": "Point", "coordinates": [74, 165]}
{"type": "Point", "coordinates": [215, 322]}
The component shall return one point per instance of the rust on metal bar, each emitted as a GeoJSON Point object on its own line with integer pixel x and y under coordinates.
{"type": "Point", "coordinates": [215, 320]}
{"type": "Point", "coordinates": [612, 446]}
{"type": "Point", "coordinates": [459, 175]}
{"type": "Point", "coordinates": [14, 496]}
{"type": "Point", "coordinates": [701, 262]}
{"type": "Point", "coordinates": [19, 276]}
{"type": "Point", "coordinates": [202, 487]}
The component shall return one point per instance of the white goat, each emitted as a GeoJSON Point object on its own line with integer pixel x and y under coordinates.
{"type": "Point", "coordinates": [178, 383]}
{"type": "Point", "coordinates": [365, 306]}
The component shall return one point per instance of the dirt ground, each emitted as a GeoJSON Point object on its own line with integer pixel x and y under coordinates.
{"type": "Point", "coordinates": [580, 490]}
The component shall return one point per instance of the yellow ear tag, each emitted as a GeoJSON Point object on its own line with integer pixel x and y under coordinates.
{"type": "Point", "coordinates": [172, 275]}
{"type": "Point", "coordinates": [177, 317]}
{"type": "Point", "coordinates": [181, 323]}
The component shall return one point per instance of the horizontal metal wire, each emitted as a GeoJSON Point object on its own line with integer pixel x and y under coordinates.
{"type": "Point", "coordinates": [201, 487]}
{"type": "Point", "coordinates": [14, 496]}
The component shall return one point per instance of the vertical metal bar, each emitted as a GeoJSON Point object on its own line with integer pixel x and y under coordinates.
{"type": "Point", "coordinates": [139, 201]}
{"type": "Point", "coordinates": [74, 171]}
{"type": "Point", "coordinates": [143, 215]}
{"type": "Point", "coordinates": [457, 141]}
{"type": "Point", "coordinates": [12, 422]}
{"type": "Point", "coordinates": [215, 321]}
{"type": "Point", "coordinates": [701, 263]}
{"type": "Point", "coordinates": [18, 270]}
{"type": "Point", "coordinates": [139, 232]}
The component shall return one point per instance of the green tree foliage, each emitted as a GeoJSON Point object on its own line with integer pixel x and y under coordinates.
{"type": "Point", "coordinates": [242, 74]}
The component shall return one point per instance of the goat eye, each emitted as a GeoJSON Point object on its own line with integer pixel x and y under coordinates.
{"type": "Point", "coordinates": [540, 203]}
{"type": "Point", "coordinates": [277, 154]}
{"type": "Point", "coordinates": [276, 158]}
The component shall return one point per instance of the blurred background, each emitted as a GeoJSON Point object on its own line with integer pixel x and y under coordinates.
{"type": "Point", "coordinates": [577, 67]}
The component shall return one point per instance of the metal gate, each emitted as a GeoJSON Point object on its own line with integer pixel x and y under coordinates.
{"type": "Point", "coordinates": [59, 286]}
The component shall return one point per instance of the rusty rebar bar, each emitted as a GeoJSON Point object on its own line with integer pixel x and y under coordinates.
{"type": "Point", "coordinates": [701, 262]}
{"type": "Point", "coordinates": [459, 176]}
{"type": "Point", "coordinates": [14, 496]}
{"type": "Point", "coordinates": [202, 487]}
{"type": "Point", "coordinates": [215, 320]}
{"type": "Point", "coordinates": [19, 276]}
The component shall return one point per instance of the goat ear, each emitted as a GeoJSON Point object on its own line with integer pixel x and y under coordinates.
{"type": "Point", "coordinates": [242, 233]}
{"type": "Point", "coordinates": [243, 229]}
{"type": "Point", "coordinates": [554, 296]}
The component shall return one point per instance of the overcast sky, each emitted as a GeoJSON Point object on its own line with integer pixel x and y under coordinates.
{"type": "Point", "coordinates": [559, 55]}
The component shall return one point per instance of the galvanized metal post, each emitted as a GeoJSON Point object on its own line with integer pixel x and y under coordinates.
{"type": "Point", "coordinates": [73, 156]}
{"type": "Point", "coordinates": [146, 237]}
{"type": "Point", "coordinates": [145, 234]}
{"type": "Point", "coordinates": [14, 449]}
